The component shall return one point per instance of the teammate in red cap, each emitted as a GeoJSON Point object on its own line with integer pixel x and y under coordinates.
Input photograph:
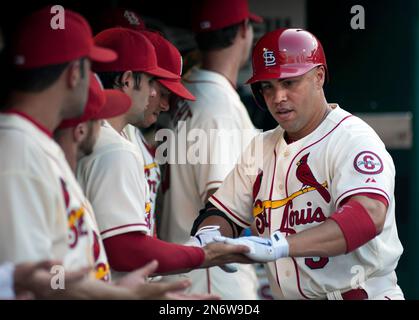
{"type": "Point", "coordinates": [120, 17]}
{"type": "Point", "coordinates": [113, 175]}
{"type": "Point", "coordinates": [322, 195]}
{"type": "Point", "coordinates": [77, 138]}
{"type": "Point", "coordinates": [224, 34]}
{"type": "Point", "coordinates": [168, 58]}
{"type": "Point", "coordinates": [47, 85]}
{"type": "Point", "coordinates": [42, 204]}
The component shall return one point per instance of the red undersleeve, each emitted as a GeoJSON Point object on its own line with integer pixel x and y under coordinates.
{"type": "Point", "coordinates": [355, 223]}
{"type": "Point", "coordinates": [130, 251]}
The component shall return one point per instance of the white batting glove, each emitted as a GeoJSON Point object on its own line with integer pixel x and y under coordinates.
{"type": "Point", "coordinates": [261, 249]}
{"type": "Point", "coordinates": [206, 235]}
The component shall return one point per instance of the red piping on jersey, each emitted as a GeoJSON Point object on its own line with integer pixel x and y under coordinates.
{"type": "Point", "coordinates": [286, 189]}
{"type": "Point", "coordinates": [288, 171]}
{"type": "Point", "coordinates": [208, 184]}
{"type": "Point", "coordinates": [270, 213]}
{"type": "Point", "coordinates": [124, 226]}
{"type": "Point", "coordinates": [229, 211]}
{"type": "Point", "coordinates": [363, 188]}
{"type": "Point", "coordinates": [30, 119]}
{"type": "Point", "coordinates": [298, 279]}
{"type": "Point", "coordinates": [208, 280]}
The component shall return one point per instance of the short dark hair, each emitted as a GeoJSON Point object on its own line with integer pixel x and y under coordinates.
{"type": "Point", "coordinates": [35, 80]}
{"type": "Point", "coordinates": [217, 39]}
{"type": "Point", "coordinates": [38, 79]}
{"type": "Point", "coordinates": [113, 79]}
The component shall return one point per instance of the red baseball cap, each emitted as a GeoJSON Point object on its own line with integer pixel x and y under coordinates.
{"type": "Point", "coordinates": [210, 15]}
{"type": "Point", "coordinates": [101, 104]}
{"type": "Point", "coordinates": [169, 58]}
{"type": "Point", "coordinates": [135, 53]}
{"type": "Point", "coordinates": [120, 17]}
{"type": "Point", "coordinates": [39, 42]}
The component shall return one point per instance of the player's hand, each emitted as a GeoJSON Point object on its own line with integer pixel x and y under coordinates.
{"type": "Point", "coordinates": [217, 254]}
{"type": "Point", "coordinates": [261, 249]}
{"type": "Point", "coordinates": [206, 235]}
{"type": "Point", "coordinates": [140, 288]}
{"type": "Point", "coordinates": [33, 280]}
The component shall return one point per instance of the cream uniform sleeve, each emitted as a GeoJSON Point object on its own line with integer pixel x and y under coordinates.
{"type": "Point", "coordinates": [235, 196]}
{"type": "Point", "coordinates": [115, 185]}
{"type": "Point", "coordinates": [29, 211]}
{"type": "Point", "coordinates": [361, 165]}
{"type": "Point", "coordinates": [220, 149]}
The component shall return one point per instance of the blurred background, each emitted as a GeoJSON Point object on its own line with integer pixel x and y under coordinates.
{"type": "Point", "coordinates": [374, 73]}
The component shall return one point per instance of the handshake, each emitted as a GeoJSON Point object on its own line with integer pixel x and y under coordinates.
{"type": "Point", "coordinates": [260, 249]}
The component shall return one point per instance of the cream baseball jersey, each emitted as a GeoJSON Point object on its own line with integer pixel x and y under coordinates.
{"type": "Point", "coordinates": [112, 178]}
{"type": "Point", "coordinates": [151, 169]}
{"type": "Point", "coordinates": [217, 109]}
{"type": "Point", "coordinates": [298, 186]}
{"type": "Point", "coordinates": [43, 208]}
{"type": "Point", "coordinates": [220, 120]}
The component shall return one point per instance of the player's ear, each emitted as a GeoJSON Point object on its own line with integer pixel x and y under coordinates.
{"type": "Point", "coordinates": [80, 132]}
{"type": "Point", "coordinates": [244, 28]}
{"type": "Point", "coordinates": [320, 76]}
{"type": "Point", "coordinates": [127, 81]}
{"type": "Point", "coordinates": [73, 73]}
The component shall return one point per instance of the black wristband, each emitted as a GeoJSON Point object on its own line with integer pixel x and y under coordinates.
{"type": "Point", "coordinates": [211, 210]}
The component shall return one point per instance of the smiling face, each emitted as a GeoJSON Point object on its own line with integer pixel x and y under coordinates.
{"type": "Point", "coordinates": [297, 103]}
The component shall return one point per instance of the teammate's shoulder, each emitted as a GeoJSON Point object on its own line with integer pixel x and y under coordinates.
{"type": "Point", "coordinates": [111, 142]}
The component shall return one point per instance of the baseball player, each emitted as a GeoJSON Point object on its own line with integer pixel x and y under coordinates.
{"type": "Point", "coordinates": [225, 41]}
{"type": "Point", "coordinates": [113, 175]}
{"type": "Point", "coordinates": [168, 58]}
{"type": "Point", "coordinates": [43, 214]}
{"type": "Point", "coordinates": [48, 210]}
{"type": "Point", "coordinates": [77, 138]}
{"type": "Point", "coordinates": [322, 194]}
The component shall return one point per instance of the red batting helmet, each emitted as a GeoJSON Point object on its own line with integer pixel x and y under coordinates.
{"type": "Point", "coordinates": [284, 53]}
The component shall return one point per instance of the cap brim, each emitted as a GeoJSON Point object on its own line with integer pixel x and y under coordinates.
{"type": "Point", "coordinates": [178, 89]}
{"type": "Point", "coordinates": [255, 18]}
{"type": "Point", "coordinates": [117, 103]}
{"type": "Point", "coordinates": [102, 54]}
{"type": "Point", "coordinates": [282, 73]}
{"type": "Point", "coordinates": [161, 73]}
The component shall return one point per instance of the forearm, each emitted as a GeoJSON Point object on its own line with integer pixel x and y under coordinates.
{"type": "Point", "coordinates": [325, 240]}
{"type": "Point", "coordinates": [358, 221]}
{"type": "Point", "coordinates": [139, 249]}
{"type": "Point", "coordinates": [92, 289]}
{"type": "Point", "coordinates": [225, 228]}
{"type": "Point", "coordinates": [211, 215]}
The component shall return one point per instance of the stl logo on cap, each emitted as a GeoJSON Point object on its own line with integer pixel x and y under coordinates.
{"type": "Point", "coordinates": [132, 18]}
{"type": "Point", "coordinates": [205, 25]}
{"type": "Point", "coordinates": [269, 58]}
